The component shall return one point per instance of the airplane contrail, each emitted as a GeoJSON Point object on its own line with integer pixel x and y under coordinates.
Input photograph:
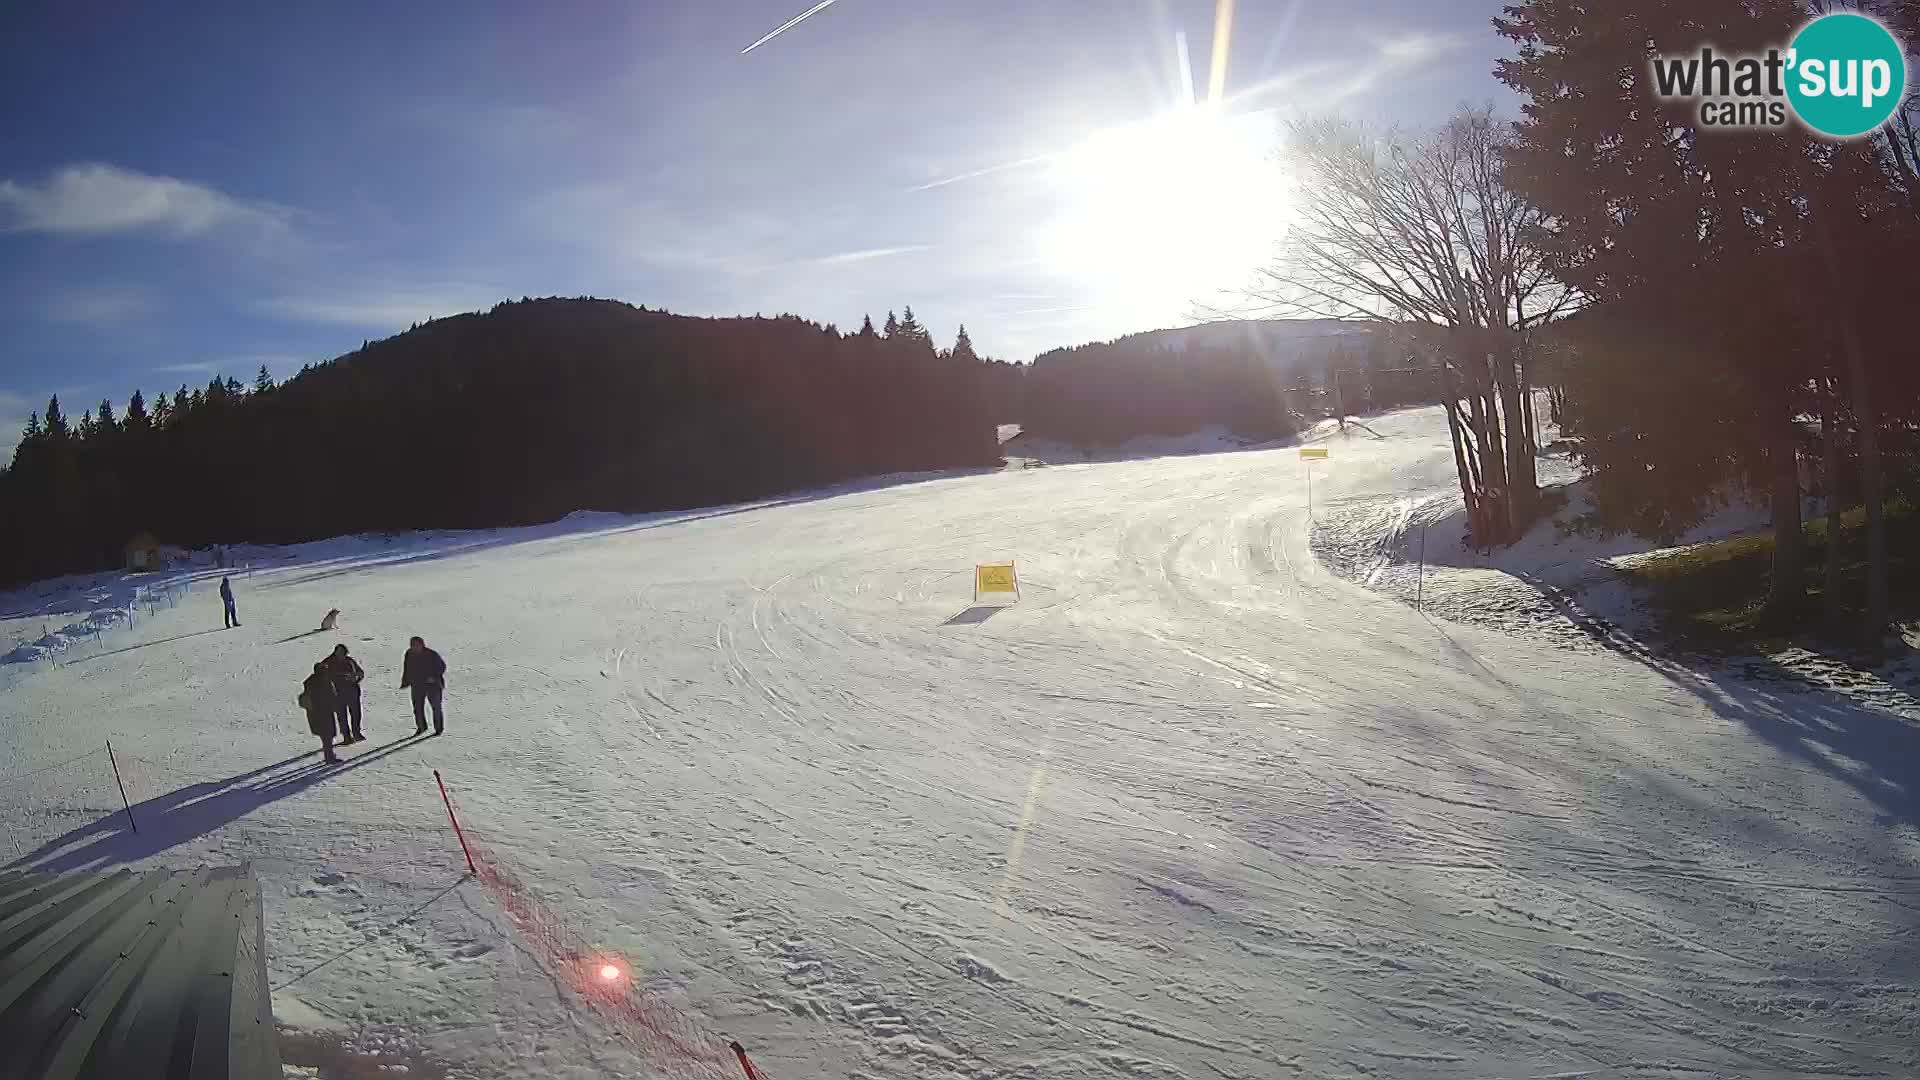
{"type": "Point", "coordinates": [978, 173]}
{"type": "Point", "coordinates": [790, 24]}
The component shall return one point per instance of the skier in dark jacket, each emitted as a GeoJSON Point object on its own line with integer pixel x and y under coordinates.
{"type": "Point", "coordinates": [426, 673]}
{"type": "Point", "coordinates": [232, 617]}
{"type": "Point", "coordinates": [347, 674]}
{"type": "Point", "coordinates": [317, 697]}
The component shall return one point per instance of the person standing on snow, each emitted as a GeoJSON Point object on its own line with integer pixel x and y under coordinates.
{"type": "Point", "coordinates": [317, 697]}
{"type": "Point", "coordinates": [226, 600]}
{"type": "Point", "coordinates": [347, 674]}
{"type": "Point", "coordinates": [426, 673]}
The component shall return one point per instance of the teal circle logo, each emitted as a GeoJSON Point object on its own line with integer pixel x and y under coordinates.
{"type": "Point", "coordinates": [1847, 74]}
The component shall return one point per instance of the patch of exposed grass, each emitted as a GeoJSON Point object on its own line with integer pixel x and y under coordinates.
{"type": "Point", "coordinates": [1713, 596]}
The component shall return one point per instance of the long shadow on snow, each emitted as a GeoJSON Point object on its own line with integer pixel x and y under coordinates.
{"type": "Point", "coordinates": [166, 821]}
{"type": "Point", "coordinates": [1800, 718]}
{"type": "Point", "coordinates": [143, 645]}
{"type": "Point", "coordinates": [975, 615]}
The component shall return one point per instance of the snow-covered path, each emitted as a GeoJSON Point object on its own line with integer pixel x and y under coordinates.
{"type": "Point", "coordinates": [1192, 808]}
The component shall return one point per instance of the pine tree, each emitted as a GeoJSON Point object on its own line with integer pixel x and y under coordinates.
{"type": "Point", "coordinates": [963, 347]}
{"type": "Point", "coordinates": [892, 327]}
{"type": "Point", "coordinates": [1672, 233]}
{"type": "Point", "coordinates": [234, 389]}
{"type": "Point", "coordinates": [911, 329]}
{"type": "Point", "coordinates": [263, 380]}
{"type": "Point", "coordinates": [162, 411]}
{"type": "Point", "coordinates": [866, 327]}
{"type": "Point", "coordinates": [56, 420]}
{"type": "Point", "coordinates": [106, 420]}
{"type": "Point", "coordinates": [33, 430]}
{"type": "Point", "coordinates": [137, 418]}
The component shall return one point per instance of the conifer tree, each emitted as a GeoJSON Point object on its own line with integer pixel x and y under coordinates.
{"type": "Point", "coordinates": [57, 429]}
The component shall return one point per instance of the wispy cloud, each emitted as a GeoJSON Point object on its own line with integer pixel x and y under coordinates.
{"type": "Point", "coordinates": [1318, 85]}
{"type": "Point", "coordinates": [239, 366]}
{"type": "Point", "coordinates": [99, 198]}
{"type": "Point", "coordinates": [383, 309]}
{"type": "Point", "coordinates": [625, 228]}
{"type": "Point", "coordinates": [99, 305]}
{"type": "Point", "coordinates": [1325, 84]}
{"type": "Point", "coordinates": [869, 253]}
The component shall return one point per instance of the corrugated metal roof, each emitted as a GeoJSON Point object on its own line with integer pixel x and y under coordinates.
{"type": "Point", "coordinates": [154, 975]}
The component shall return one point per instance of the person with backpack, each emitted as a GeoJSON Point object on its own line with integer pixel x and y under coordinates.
{"type": "Point", "coordinates": [318, 699]}
{"type": "Point", "coordinates": [347, 675]}
{"type": "Point", "coordinates": [226, 600]}
{"type": "Point", "coordinates": [426, 673]}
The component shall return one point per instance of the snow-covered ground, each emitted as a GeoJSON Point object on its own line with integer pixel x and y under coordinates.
{"type": "Point", "coordinates": [1558, 581]}
{"type": "Point", "coordinates": [1031, 450]}
{"type": "Point", "coordinates": [1193, 807]}
{"type": "Point", "coordinates": [1561, 582]}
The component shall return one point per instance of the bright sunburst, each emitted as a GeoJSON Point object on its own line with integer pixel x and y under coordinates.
{"type": "Point", "coordinates": [1169, 212]}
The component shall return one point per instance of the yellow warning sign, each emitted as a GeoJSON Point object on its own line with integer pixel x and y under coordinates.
{"type": "Point", "coordinates": [1313, 453]}
{"type": "Point", "coordinates": [995, 578]}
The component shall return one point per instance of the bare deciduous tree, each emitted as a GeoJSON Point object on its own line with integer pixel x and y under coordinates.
{"type": "Point", "coordinates": [1424, 231]}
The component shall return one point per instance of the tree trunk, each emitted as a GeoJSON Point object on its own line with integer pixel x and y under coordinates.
{"type": "Point", "coordinates": [1462, 454]}
{"type": "Point", "coordinates": [1788, 589]}
{"type": "Point", "coordinates": [1518, 460]}
{"type": "Point", "coordinates": [1871, 493]}
{"type": "Point", "coordinates": [1533, 421]}
{"type": "Point", "coordinates": [1493, 468]}
{"type": "Point", "coordinates": [1867, 422]}
{"type": "Point", "coordinates": [1460, 463]}
{"type": "Point", "coordinates": [1830, 447]}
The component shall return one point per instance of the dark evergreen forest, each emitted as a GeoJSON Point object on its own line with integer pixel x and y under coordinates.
{"type": "Point", "coordinates": [538, 408]}
{"type": "Point", "coordinates": [521, 414]}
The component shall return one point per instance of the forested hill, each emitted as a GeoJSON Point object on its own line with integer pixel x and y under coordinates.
{"type": "Point", "coordinates": [521, 414]}
{"type": "Point", "coordinates": [1238, 375]}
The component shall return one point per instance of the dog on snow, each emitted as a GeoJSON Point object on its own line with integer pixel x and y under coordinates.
{"type": "Point", "coordinates": [332, 618]}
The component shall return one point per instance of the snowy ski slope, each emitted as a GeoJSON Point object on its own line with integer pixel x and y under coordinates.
{"type": "Point", "coordinates": [1193, 808]}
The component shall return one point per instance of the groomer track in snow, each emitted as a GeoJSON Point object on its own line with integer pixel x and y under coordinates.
{"type": "Point", "coordinates": [1193, 807]}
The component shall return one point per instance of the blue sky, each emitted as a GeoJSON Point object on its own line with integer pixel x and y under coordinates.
{"type": "Point", "coordinates": [190, 188]}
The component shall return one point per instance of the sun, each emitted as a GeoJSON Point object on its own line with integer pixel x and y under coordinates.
{"type": "Point", "coordinates": [1171, 213]}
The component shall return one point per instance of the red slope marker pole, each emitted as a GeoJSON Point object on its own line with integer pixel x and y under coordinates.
{"type": "Point", "coordinates": [122, 786]}
{"type": "Point", "coordinates": [457, 834]}
{"type": "Point", "coordinates": [741, 1053]}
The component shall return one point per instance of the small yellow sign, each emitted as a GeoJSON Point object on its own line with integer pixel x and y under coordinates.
{"type": "Point", "coordinates": [1313, 453]}
{"type": "Point", "coordinates": [995, 578]}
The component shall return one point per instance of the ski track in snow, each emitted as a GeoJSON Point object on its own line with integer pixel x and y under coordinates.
{"type": "Point", "coordinates": [1193, 807]}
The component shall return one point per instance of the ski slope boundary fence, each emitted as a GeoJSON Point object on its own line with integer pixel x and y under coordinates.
{"type": "Point", "coordinates": [672, 1039]}
{"type": "Point", "coordinates": [65, 645]}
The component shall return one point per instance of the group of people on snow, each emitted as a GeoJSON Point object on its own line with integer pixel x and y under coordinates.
{"type": "Point", "coordinates": [331, 695]}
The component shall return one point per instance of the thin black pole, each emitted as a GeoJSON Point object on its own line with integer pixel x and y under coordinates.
{"type": "Point", "coordinates": [111, 760]}
{"type": "Point", "coordinates": [1420, 585]}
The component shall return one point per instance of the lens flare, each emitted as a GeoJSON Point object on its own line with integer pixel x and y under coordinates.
{"type": "Point", "coordinates": [610, 972]}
